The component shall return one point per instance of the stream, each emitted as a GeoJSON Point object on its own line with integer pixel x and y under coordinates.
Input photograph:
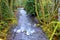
{"type": "Point", "coordinates": [26, 28]}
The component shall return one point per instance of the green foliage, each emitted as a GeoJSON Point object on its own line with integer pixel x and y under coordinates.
{"type": "Point", "coordinates": [30, 6]}
{"type": "Point", "coordinates": [55, 29]}
{"type": "Point", "coordinates": [3, 25]}
{"type": "Point", "coordinates": [6, 15]}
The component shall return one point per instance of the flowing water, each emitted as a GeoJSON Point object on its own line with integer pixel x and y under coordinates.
{"type": "Point", "coordinates": [24, 24]}
{"type": "Point", "coordinates": [26, 30]}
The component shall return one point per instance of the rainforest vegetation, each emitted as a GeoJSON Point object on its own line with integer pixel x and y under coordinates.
{"type": "Point", "coordinates": [46, 12]}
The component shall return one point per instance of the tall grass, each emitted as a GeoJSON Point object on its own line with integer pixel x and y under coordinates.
{"type": "Point", "coordinates": [49, 14]}
{"type": "Point", "coordinates": [6, 16]}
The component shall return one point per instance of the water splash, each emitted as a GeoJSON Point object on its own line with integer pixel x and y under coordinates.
{"type": "Point", "coordinates": [24, 25]}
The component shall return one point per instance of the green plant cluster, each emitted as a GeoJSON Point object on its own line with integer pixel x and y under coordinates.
{"type": "Point", "coordinates": [47, 9]}
{"type": "Point", "coordinates": [30, 7]}
{"type": "Point", "coordinates": [54, 30]}
{"type": "Point", "coordinates": [6, 13]}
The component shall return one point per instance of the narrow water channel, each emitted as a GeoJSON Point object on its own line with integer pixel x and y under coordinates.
{"type": "Point", "coordinates": [24, 25]}
{"type": "Point", "coordinates": [26, 30]}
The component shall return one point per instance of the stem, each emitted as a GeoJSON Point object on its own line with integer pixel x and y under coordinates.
{"type": "Point", "coordinates": [53, 32]}
{"type": "Point", "coordinates": [42, 9]}
{"type": "Point", "coordinates": [36, 10]}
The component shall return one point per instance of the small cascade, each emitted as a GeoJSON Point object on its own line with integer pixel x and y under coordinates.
{"type": "Point", "coordinates": [24, 25]}
{"type": "Point", "coordinates": [26, 28]}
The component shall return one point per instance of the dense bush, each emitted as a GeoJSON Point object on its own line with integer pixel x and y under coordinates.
{"type": "Point", "coordinates": [41, 7]}
{"type": "Point", "coordinates": [7, 15]}
{"type": "Point", "coordinates": [30, 6]}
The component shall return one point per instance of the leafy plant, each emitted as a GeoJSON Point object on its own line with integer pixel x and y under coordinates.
{"type": "Point", "coordinates": [30, 7]}
{"type": "Point", "coordinates": [6, 14]}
